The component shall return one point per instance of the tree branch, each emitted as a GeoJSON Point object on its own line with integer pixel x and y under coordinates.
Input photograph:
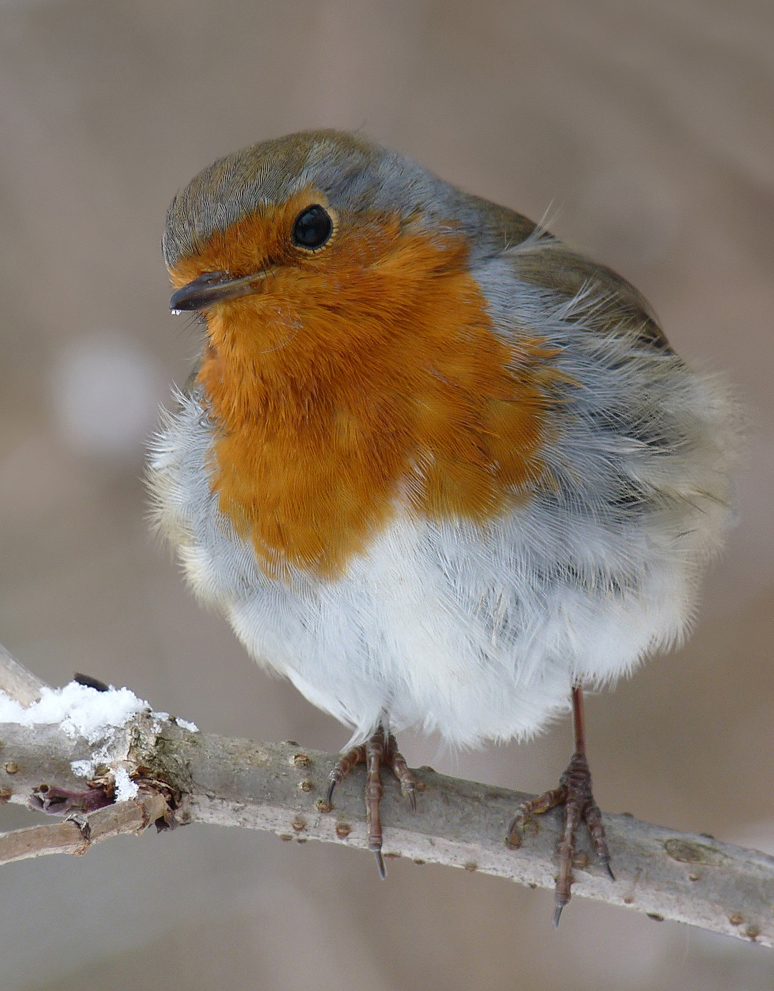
{"type": "Point", "coordinates": [16, 681]}
{"type": "Point", "coordinates": [79, 832]}
{"type": "Point", "coordinates": [194, 777]}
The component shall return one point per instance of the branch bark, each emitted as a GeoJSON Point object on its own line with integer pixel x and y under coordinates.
{"type": "Point", "coordinates": [16, 681]}
{"type": "Point", "coordinates": [280, 787]}
{"type": "Point", "coordinates": [77, 833]}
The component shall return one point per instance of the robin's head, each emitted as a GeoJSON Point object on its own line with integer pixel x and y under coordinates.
{"type": "Point", "coordinates": [350, 349]}
{"type": "Point", "coordinates": [316, 201]}
{"type": "Point", "coordinates": [281, 202]}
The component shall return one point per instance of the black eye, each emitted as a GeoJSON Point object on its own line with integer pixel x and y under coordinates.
{"type": "Point", "coordinates": [312, 228]}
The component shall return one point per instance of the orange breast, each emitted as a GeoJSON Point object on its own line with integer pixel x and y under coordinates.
{"type": "Point", "coordinates": [358, 379]}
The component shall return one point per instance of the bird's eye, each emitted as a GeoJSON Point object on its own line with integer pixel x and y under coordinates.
{"type": "Point", "coordinates": [312, 228]}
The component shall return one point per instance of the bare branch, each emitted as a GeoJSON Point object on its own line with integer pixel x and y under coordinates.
{"type": "Point", "coordinates": [280, 787]}
{"type": "Point", "coordinates": [77, 833]}
{"type": "Point", "coordinates": [16, 681]}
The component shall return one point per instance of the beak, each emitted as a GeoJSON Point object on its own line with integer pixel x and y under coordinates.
{"type": "Point", "coordinates": [214, 287]}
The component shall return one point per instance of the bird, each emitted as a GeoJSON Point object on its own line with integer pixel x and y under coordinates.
{"type": "Point", "coordinates": [435, 466]}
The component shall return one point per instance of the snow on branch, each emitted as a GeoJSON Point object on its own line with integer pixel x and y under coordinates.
{"type": "Point", "coordinates": [113, 766]}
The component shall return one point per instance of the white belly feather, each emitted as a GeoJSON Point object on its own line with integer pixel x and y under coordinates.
{"type": "Point", "coordinates": [479, 633]}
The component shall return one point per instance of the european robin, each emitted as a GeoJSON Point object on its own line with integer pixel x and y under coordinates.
{"type": "Point", "coordinates": [435, 466]}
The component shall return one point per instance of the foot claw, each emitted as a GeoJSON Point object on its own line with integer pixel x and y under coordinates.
{"type": "Point", "coordinates": [396, 760]}
{"type": "Point", "coordinates": [574, 793]}
{"type": "Point", "coordinates": [381, 749]}
{"type": "Point", "coordinates": [522, 825]}
{"type": "Point", "coordinates": [380, 864]}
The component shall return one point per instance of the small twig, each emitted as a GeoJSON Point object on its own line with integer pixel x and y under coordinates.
{"type": "Point", "coordinates": [77, 833]}
{"type": "Point", "coordinates": [16, 681]}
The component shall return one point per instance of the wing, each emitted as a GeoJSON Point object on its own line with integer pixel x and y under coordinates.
{"type": "Point", "coordinates": [541, 260]}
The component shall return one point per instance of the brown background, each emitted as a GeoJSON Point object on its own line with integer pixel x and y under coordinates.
{"type": "Point", "coordinates": [644, 130]}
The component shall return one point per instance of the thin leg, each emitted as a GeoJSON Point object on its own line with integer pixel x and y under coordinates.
{"type": "Point", "coordinates": [375, 748]}
{"type": "Point", "coordinates": [574, 792]}
{"type": "Point", "coordinates": [578, 719]}
{"type": "Point", "coordinates": [380, 750]}
{"type": "Point", "coordinates": [579, 782]}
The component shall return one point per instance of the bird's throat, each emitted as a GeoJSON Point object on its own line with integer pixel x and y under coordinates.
{"type": "Point", "coordinates": [339, 407]}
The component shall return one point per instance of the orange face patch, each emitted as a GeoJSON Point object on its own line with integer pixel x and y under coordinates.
{"type": "Point", "coordinates": [357, 377]}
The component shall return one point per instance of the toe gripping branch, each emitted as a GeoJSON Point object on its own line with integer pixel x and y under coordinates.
{"type": "Point", "coordinates": [575, 794]}
{"type": "Point", "coordinates": [381, 749]}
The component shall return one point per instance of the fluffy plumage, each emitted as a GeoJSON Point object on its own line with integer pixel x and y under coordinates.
{"type": "Point", "coordinates": [546, 523]}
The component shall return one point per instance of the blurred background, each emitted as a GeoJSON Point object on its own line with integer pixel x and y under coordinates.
{"type": "Point", "coordinates": [645, 131]}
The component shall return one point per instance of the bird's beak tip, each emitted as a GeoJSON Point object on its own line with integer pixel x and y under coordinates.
{"type": "Point", "coordinates": [210, 288]}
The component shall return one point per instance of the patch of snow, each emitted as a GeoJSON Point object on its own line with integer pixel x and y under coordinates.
{"type": "Point", "coordinates": [83, 768]}
{"type": "Point", "coordinates": [125, 787]}
{"type": "Point", "coordinates": [185, 724]}
{"type": "Point", "coordinates": [79, 710]}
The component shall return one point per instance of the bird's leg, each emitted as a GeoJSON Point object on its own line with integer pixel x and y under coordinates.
{"type": "Point", "coordinates": [379, 750]}
{"type": "Point", "coordinates": [574, 793]}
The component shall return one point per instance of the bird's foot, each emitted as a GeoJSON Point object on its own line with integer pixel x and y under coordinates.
{"type": "Point", "coordinates": [574, 793]}
{"type": "Point", "coordinates": [381, 749]}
